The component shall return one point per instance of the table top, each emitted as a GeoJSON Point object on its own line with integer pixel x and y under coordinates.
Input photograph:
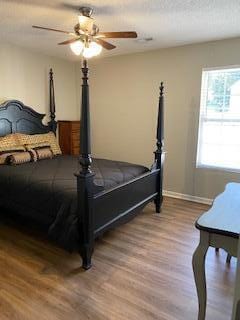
{"type": "Point", "coordinates": [224, 215]}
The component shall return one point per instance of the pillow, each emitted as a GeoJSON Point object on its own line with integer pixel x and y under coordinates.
{"type": "Point", "coordinates": [9, 141]}
{"type": "Point", "coordinates": [11, 150]}
{"type": "Point", "coordinates": [32, 148]}
{"type": "Point", "coordinates": [44, 153]}
{"type": "Point", "coordinates": [38, 145]}
{"type": "Point", "coordinates": [49, 138]}
{"type": "Point", "coordinates": [33, 155]}
{"type": "Point", "coordinates": [19, 158]}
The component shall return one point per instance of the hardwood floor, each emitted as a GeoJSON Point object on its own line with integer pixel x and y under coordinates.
{"type": "Point", "coordinates": [141, 271]}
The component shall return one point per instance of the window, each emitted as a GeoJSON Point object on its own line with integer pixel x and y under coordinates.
{"type": "Point", "coordinates": [219, 122]}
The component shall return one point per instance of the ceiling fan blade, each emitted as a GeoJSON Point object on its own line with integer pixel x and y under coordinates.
{"type": "Point", "coordinates": [69, 41]}
{"type": "Point", "coordinates": [105, 44]}
{"type": "Point", "coordinates": [122, 34]}
{"type": "Point", "coordinates": [56, 30]}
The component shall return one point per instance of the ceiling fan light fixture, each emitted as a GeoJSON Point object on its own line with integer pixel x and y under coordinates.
{"type": "Point", "coordinates": [92, 50]}
{"type": "Point", "coordinates": [97, 48]}
{"type": "Point", "coordinates": [87, 53]}
{"type": "Point", "coordinates": [77, 47]}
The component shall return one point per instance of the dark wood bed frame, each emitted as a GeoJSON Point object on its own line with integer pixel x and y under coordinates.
{"type": "Point", "coordinates": [99, 210]}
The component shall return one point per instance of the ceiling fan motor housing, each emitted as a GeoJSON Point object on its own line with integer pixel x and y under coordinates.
{"type": "Point", "coordinates": [86, 11]}
{"type": "Point", "coordinates": [86, 22]}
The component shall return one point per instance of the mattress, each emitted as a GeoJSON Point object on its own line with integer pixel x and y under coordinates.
{"type": "Point", "coordinates": [46, 191]}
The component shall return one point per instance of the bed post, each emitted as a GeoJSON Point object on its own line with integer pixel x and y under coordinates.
{"type": "Point", "coordinates": [159, 155]}
{"type": "Point", "coordinates": [85, 184]}
{"type": "Point", "coordinates": [52, 123]}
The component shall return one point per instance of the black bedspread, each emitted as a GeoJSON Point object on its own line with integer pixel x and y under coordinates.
{"type": "Point", "coordinates": [46, 191]}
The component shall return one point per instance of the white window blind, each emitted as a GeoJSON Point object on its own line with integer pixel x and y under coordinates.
{"type": "Point", "coordinates": [219, 122]}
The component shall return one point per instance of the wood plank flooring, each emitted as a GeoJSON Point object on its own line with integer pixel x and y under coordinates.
{"type": "Point", "coordinates": [142, 271]}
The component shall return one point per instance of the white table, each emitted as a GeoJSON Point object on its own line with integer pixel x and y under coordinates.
{"type": "Point", "coordinates": [219, 228]}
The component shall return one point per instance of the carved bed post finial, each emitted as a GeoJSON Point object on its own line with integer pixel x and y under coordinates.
{"type": "Point", "coordinates": [159, 155]}
{"type": "Point", "coordinates": [52, 123]}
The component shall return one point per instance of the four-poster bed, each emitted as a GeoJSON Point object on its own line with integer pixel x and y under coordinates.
{"type": "Point", "coordinates": [100, 204]}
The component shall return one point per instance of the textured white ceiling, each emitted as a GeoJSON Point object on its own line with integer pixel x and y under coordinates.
{"type": "Point", "coordinates": [168, 22]}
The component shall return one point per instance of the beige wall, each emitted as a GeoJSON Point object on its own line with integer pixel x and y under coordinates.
{"type": "Point", "coordinates": [124, 99]}
{"type": "Point", "coordinates": [24, 76]}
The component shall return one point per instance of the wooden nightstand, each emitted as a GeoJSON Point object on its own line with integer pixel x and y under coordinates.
{"type": "Point", "coordinates": [69, 137]}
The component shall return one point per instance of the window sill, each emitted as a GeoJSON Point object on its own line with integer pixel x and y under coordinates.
{"type": "Point", "coordinates": [209, 167]}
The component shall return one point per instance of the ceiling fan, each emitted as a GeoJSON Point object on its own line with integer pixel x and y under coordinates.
{"type": "Point", "coordinates": [87, 38]}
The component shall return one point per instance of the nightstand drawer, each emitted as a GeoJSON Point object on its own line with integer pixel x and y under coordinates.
{"type": "Point", "coordinates": [75, 127]}
{"type": "Point", "coordinates": [75, 136]}
{"type": "Point", "coordinates": [75, 133]}
{"type": "Point", "coordinates": [76, 143]}
{"type": "Point", "coordinates": [75, 151]}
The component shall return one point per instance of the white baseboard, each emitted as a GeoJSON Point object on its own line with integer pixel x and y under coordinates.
{"type": "Point", "coordinates": [187, 197]}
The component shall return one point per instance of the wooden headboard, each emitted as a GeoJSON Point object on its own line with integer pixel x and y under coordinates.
{"type": "Point", "coordinates": [16, 117]}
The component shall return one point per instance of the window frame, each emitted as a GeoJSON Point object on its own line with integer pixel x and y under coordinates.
{"type": "Point", "coordinates": [198, 164]}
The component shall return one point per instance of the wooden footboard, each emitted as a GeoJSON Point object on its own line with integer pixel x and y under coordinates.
{"type": "Point", "coordinates": [98, 210]}
{"type": "Point", "coordinates": [120, 204]}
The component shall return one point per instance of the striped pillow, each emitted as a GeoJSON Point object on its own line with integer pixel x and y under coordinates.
{"type": "Point", "coordinates": [44, 153]}
{"type": "Point", "coordinates": [33, 155]}
{"type": "Point", "coordinates": [8, 152]}
{"type": "Point", "coordinates": [19, 158]}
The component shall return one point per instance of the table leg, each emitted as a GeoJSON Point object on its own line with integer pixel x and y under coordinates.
{"type": "Point", "coordinates": [198, 262]}
{"type": "Point", "coordinates": [236, 302]}
{"type": "Point", "coordinates": [229, 257]}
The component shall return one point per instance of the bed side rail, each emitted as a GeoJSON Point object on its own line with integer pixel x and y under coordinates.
{"type": "Point", "coordinates": [120, 204]}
